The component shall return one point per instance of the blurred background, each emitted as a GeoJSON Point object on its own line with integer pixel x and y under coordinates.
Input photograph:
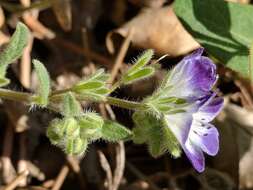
{"type": "Point", "coordinates": [73, 38]}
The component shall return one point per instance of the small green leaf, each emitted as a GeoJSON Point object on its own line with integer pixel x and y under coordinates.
{"type": "Point", "coordinates": [141, 61]}
{"type": "Point", "coordinates": [71, 107]}
{"type": "Point", "coordinates": [102, 91]}
{"type": "Point", "coordinates": [138, 75]}
{"type": "Point", "coordinates": [87, 85]}
{"type": "Point", "coordinates": [94, 87]}
{"type": "Point", "coordinates": [99, 75]}
{"type": "Point", "coordinates": [44, 83]}
{"type": "Point", "coordinates": [112, 131]}
{"type": "Point", "coordinates": [155, 133]}
{"type": "Point", "coordinates": [13, 50]}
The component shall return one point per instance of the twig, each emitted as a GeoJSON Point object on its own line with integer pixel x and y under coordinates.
{"type": "Point", "coordinates": [82, 51]}
{"type": "Point", "coordinates": [140, 175]}
{"type": "Point", "coordinates": [120, 57]}
{"type": "Point", "coordinates": [61, 177]}
{"type": "Point", "coordinates": [48, 184]}
{"type": "Point", "coordinates": [25, 70]}
{"type": "Point", "coordinates": [22, 166]}
{"type": "Point", "coordinates": [110, 111]}
{"type": "Point", "coordinates": [8, 170]}
{"type": "Point", "coordinates": [74, 164]}
{"type": "Point", "coordinates": [245, 92]}
{"type": "Point", "coordinates": [31, 20]}
{"type": "Point", "coordinates": [16, 181]}
{"type": "Point", "coordinates": [20, 9]}
{"type": "Point", "coordinates": [34, 171]}
{"type": "Point", "coordinates": [106, 167]}
{"type": "Point", "coordinates": [120, 165]}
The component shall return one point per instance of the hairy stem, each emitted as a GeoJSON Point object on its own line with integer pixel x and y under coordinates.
{"type": "Point", "coordinates": [57, 96]}
{"type": "Point", "coordinates": [15, 96]}
{"type": "Point", "coordinates": [124, 103]}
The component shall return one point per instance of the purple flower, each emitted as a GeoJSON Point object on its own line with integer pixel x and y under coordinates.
{"type": "Point", "coordinates": [192, 79]}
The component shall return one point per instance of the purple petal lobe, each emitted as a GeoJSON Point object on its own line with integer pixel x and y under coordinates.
{"type": "Point", "coordinates": [195, 155]}
{"type": "Point", "coordinates": [205, 136]}
{"type": "Point", "coordinates": [193, 77]}
{"type": "Point", "coordinates": [196, 54]}
{"type": "Point", "coordinates": [210, 109]}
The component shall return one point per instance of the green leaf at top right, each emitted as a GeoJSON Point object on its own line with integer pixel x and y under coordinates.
{"type": "Point", "coordinates": [225, 29]}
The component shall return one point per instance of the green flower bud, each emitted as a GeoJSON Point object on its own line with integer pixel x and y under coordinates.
{"type": "Point", "coordinates": [71, 128]}
{"type": "Point", "coordinates": [55, 132]}
{"type": "Point", "coordinates": [76, 146]}
{"type": "Point", "coordinates": [90, 126]}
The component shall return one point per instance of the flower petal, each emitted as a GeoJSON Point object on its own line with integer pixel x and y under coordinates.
{"type": "Point", "coordinates": [210, 109]}
{"type": "Point", "coordinates": [193, 77]}
{"type": "Point", "coordinates": [195, 155]}
{"type": "Point", "coordinates": [205, 136]}
{"type": "Point", "coordinates": [180, 124]}
{"type": "Point", "coordinates": [197, 53]}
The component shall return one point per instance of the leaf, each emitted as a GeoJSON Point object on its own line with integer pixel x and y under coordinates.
{"type": "Point", "coordinates": [112, 131]}
{"type": "Point", "coordinates": [99, 75]}
{"type": "Point", "coordinates": [141, 61]}
{"type": "Point", "coordinates": [138, 75]}
{"type": "Point", "coordinates": [87, 85]}
{"type": "Point", "coordinates": [94, 87]}
{"type": "Point", "coordinates": [223, 28]}
{"type": "Point", "coordinates": [13, 50]}
{"type": "Point", "coordinates": [44, 83]}
{"type": "Point", "coordinates": [155, 134]}
{"type": "Point", "coordinates": [71, 107]}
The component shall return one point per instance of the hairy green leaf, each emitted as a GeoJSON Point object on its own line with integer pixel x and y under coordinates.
{"type": "Point", "coordinates": [44, 83]}
{"type": "Point", "coordinates": [71, 107]}
{"type": "Point", "coordinates": [141, 61]}
{"type": "Point", "coordinates": [138, 75]}
{"type": "Point", "coordinates": [223, 28]}
{"type": "Point", "coordinates": [87, 85]}
{"type": "Point", "coordinates": [113, 131]}
{"type": "Point", "coordinates": [13, 50]}
{"type": "Point", "coordinates": [94, 87]}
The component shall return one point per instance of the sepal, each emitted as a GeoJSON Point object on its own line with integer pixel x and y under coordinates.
{"type": "Point", "coordinates": [154, 132]}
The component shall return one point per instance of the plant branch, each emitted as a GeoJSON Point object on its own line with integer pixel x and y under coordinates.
{"type": "Point", "coordinates": [124, 103]}
{"type": "Point", "coordinates": [57, 96]}
{"type": "Point", "coordinates": [15, 96]}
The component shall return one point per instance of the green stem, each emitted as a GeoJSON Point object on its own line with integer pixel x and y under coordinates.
{"type": "Point", "coordinates": [115, 86]}
{"type": "Point", "coordinates": [124, 103]}
{"type": "Point", "coordinates": [15, 96]}
{"type": "Point", "coordinates": [56, 97]}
